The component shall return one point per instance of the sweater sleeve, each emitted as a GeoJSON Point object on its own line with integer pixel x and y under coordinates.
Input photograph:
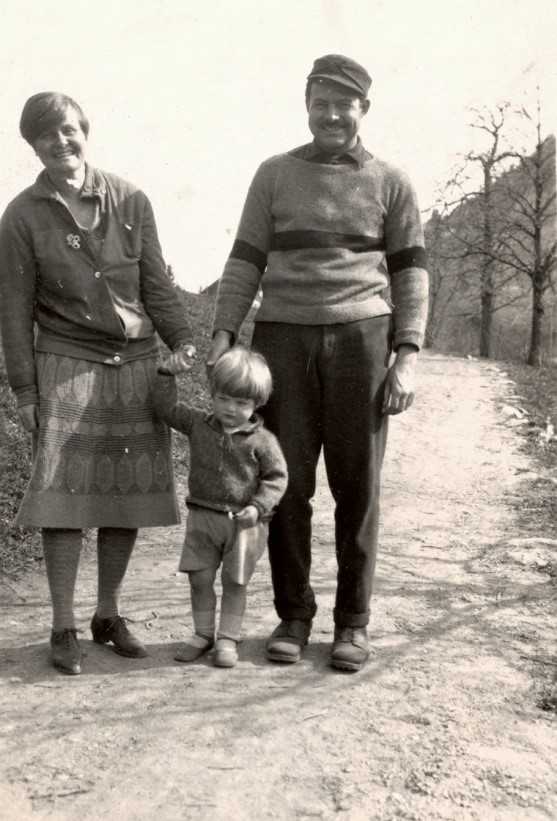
{"type": "Point", "coordinates": [168, 408]}
{"type": "Point", "coordinates": [18, 273]}
{"type": "Point", "coordinates": [273, 476]}
{"type": "Point", "coordinates": [248, 258]}
{"type": "Point", "coordinates": [406, 262]}
{"type": "Point", "coordinates": [159, 294]}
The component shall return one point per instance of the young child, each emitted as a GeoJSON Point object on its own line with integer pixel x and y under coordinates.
{"type": "Point", "coordinates": [237, 478]}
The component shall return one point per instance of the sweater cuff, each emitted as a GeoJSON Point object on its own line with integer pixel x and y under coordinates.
{"type": "Point", "coordinates": [413, 338]}
{"type": "Point", "coordinates": [29, 395]}
{"type": "Point", "coordinates": [176, 340]}
{"type": "Point", "coordinates": [264, 514]}
{"type": "Point", "coordinates": [233, 334]}
{"type": "Point", "coordinates": [230, 327]}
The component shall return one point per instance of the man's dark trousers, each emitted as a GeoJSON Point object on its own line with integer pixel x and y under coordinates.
{"type": "Point", "coordinates": [328, 391]}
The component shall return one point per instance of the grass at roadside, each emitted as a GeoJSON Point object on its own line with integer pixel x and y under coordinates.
{"type": "Point", "coordinates": [19, 548]}
{"type": "Point", "coordinates": [537, 388]}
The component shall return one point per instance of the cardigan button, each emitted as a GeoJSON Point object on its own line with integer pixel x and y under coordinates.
{"type": "Point", "coordinates": [117, 358]}
{"type": "Point", "coordinates": [97, 274]}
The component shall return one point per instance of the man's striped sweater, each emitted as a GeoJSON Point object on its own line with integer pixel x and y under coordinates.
{"type": "Point", "coordinates": [323, 241]}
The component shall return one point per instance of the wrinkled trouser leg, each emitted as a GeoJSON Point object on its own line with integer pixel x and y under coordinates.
{"type": "Point", "coordinates": [354, 439]}
{"type": "Point", "coordinates": [328, 390]}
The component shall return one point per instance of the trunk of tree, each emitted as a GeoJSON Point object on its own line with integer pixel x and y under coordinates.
{"type": "Point", "coordinates": [539, 272]}
{"type": "Point", "coordinates": [535, 355]}
{"type": "Point", "coordinates": [486, 311]}
{"type": "Point", "coordinates": [487, 268]}
{"type": "Point", "coordinates": [429, 337]}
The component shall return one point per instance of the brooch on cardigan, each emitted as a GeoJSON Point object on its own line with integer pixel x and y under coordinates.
{"type": "Point", "coordinates": [73, 240]}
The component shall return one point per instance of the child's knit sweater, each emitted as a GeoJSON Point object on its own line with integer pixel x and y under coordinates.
{"type": "Point", "coordinates": [227, 471]}
{"type": "Point", "coordinates": [324, 241]}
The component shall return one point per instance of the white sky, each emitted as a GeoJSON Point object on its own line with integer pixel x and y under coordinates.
{"type": "Point", "coordinates": [186, 98]}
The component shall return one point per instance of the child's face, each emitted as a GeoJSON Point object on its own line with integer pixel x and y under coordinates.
{"type": "Point", "coordinates": [232, 411]}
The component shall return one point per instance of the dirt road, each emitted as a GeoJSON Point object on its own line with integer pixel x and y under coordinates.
{"type": "Point", "coordinates": [442, 723]}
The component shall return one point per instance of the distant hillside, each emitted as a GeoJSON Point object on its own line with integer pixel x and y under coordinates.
{"type": "Point", "coordinates": [455, 281]}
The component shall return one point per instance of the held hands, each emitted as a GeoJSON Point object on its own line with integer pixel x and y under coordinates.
{"type": "Point", "coordinates": [248, 517]}
{"type": "Point", "coordinates": [179, 361]}
{"type": "Point", "coordinates": [399, 385]}
{"type": "Point", "coordinates": [29, 417]}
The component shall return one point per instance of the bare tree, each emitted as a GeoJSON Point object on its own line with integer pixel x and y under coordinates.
{"type": "Point", "coordinates": [527, 241]}
{"type": "Point", "coordinates": [475, 231]}
{"type": "Point", "coordinates": [503, 229]}
{"type": "Point", "coordinates": [449, 284]}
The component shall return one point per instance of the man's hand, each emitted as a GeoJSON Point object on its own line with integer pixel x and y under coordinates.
{"type": "Point", "coordinates": [222, 342]}
{"type": "Point", "coordinates": [29, 417]}
{"type": "Point", "coordinates": [179, 361]}
{"type": "Point", "coordinates": [399, 385]}
{"type": "Point", "coordinates": [248, 517]}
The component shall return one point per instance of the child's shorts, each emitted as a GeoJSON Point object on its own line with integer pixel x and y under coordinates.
{"type": "Point", "coordinates": [212, 538]}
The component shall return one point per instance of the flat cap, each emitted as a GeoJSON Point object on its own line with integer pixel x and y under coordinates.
{"type": "Point", "coordinates": [341, 70]}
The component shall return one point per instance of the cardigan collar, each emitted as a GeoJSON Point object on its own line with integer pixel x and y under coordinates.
{"type": "Point", "coordinates": [252, 425]}
{"type": "Point", "coordinates": [93, 185]}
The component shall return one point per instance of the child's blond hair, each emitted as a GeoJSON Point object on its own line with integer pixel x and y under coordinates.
{"type": "Point", "coordinates": [243, 373]}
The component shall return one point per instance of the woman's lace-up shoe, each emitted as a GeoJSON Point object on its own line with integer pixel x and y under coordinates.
{"type": "Point", "coordinates": [116, 630]}
{"type": "Point", "coordinates": [65, 651]}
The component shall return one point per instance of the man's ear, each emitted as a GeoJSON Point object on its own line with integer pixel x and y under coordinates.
{"type": "Point", "coordinates": [365, 106]}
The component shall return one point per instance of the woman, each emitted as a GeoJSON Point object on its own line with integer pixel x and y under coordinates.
{"type": "Point", "coordinates": [84, 293]}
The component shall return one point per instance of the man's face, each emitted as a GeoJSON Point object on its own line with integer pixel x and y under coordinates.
{"type": "Point", "coordinates": [335, 114]}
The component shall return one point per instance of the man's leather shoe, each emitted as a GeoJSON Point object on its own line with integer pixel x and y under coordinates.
{"type": "Point", "coordinates": [65, 651]}
{"type": "Point", "coordinates": [350, 648]}
{"type": "Point", "coordinates": [115, 630]}
{"type": "Point", "coordinates": [287, 640]}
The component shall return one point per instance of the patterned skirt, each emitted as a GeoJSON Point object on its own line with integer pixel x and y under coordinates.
{"type": "Point", "coordinates": [101, 458]}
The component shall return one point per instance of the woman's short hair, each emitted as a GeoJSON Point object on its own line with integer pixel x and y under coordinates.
{"type": "Point", "coordinates": [45, 110]}
{"type": "Point", "coordinates": [243, 373]}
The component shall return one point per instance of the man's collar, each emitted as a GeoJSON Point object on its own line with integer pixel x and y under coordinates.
{"type": "Point", "coordinates": [356, 155]}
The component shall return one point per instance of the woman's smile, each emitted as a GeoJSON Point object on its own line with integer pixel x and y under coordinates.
{"type": "Point", "coordinates": [61, 149]}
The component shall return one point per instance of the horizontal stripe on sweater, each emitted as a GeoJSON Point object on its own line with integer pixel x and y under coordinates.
{"type": "Point", "coordinates": [296, 240]}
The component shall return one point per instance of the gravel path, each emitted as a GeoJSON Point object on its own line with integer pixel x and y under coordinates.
{"type": "Point", "coordinates": [441, 724]}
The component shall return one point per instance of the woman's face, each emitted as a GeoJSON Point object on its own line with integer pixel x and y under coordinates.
{"type": "Point", "coordinates": [61, 148]}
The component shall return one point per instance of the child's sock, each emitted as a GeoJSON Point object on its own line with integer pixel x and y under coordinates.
{"type": "Point", "coordinates": [203, 602]}
{"type": "Point", "coordinates": [232, 611]}
{"type": "Point", "coordinates": [204, 623]}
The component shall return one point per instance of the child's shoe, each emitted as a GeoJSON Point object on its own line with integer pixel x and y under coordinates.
{"type": "Point", "coordinates": [193, 648]}
{"type": "Point", "coordinates": [226, 653]}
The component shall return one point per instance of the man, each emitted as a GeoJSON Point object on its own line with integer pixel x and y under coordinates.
{"type": "Point", "coordinates": [325, 229]}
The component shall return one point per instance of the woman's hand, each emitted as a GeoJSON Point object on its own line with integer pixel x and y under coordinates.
{"type": "Point", "coordinates": [29, 417]}
{"type": "Point", "coordinates": [180, 361]}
